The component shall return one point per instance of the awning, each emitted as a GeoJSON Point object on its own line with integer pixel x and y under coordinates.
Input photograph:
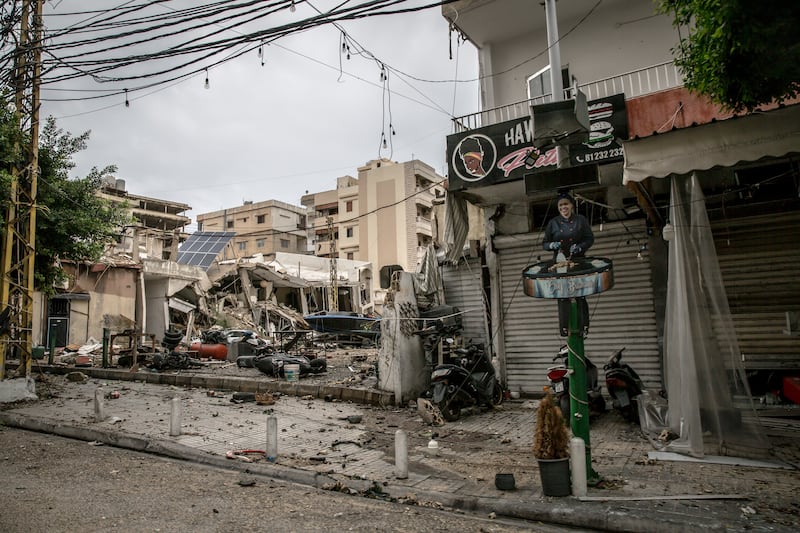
{"type": "Point", "coordinates": [725, 143]}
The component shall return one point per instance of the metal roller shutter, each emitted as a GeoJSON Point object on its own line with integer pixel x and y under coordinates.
{"type": "Point", "coordinates": [759, 259]}
{"type": "Point", "coordinates": [463, 288]}
{"type": "Point", "coordinates": [623, 316]}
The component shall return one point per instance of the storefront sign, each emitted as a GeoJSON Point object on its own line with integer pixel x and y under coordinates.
{"type": "Point", "coordinates": [498, 153]}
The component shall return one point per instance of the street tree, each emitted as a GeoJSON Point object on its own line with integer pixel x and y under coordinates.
{"type": "Point", "coordinates": [72, 222]}
{"type": "Point", "coordinates": [741, 54]}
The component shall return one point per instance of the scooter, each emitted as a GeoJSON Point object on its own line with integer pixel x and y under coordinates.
{"type": "Point", "coordinates": [624, 385]}
{"type": "Point", "coordinates": [469, 383]}
{"type": "Point", "coordinates": [558, 376]}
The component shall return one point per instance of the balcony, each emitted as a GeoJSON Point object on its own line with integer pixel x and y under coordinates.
{"type": "Point", "coordinates": [635, 83]}
{"type": "Point", "coordinates": [423, 196]}
{"type": "Point", "coordinates": [320, 224]}
{"type": "Point", "coordinates": [323, 248]}
{"type": "Point", "coordinates": [424, 226]}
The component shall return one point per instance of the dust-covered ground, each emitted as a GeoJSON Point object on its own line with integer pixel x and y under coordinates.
{"type": "Point", "coordinates": [51, 483]}
{"type": "Point", "coordinates": [474, 448]}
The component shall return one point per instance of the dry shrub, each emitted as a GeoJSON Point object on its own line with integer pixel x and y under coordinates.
{"type": "Point", "coordinates": [550, 438]}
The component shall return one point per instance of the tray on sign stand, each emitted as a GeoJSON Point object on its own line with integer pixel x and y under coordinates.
{"type": "Point", "coordinates": [569, 279]}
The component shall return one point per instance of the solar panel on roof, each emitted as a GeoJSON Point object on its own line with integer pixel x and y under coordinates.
{"type": "Point", "coordinates": [202, 247]}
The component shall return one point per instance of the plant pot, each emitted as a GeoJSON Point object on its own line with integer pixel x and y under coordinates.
{"type": "Point", "coordinates": [504, 481]}
{"type": "Point", "coordinates": [554, 474]}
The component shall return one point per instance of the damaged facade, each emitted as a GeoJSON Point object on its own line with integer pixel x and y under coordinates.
{"type": "Point", "coordinates": [135, 288]}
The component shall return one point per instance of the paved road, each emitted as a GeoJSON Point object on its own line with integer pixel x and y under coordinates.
{"type": "Point", "coordinates": [52, 484]}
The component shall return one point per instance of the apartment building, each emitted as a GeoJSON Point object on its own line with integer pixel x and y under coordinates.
{"type": "Point", "coordinates": [649, 137]}
{"type": "Point", "coordinates": [261, 228]}
{"type": "Point", "coordinates": [327, 237]}
{"type": "Point", "coordinates": [384, 217]}
{"type": "Point", "coordinates": [159, 225]}
{"type": "Point", "coordinates": [396, 221]}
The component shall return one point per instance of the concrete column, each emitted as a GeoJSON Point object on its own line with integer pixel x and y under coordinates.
{"type": "Point", "coordinates": [99, 405]}
{"type": "Point", "coordinates": [272, 438]}
{"type": "Point", "coordinates": [175, 417]}
{"type": "Point", "coordinates": [401, 454]}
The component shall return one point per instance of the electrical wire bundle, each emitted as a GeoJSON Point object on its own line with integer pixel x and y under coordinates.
{"type": "Point", "coordinates": [137, 45]}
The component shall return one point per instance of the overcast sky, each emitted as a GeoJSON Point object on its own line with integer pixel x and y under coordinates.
{"type": "Point", "coordinates": [291, 126]}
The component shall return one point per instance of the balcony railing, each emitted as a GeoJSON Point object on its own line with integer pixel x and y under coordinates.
{"type": "Point", "coordinates": [424, 225]}
{"type": "Point", "coordinates": [323, 248]}
{"type": "Point", "coordinates": [634, 83]}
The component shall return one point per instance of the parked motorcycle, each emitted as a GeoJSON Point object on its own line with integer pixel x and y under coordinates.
{"type": "Point", "coordinates": [471, 382]}
{"type": "Point", "coordinates": [558, 376]}
{"type": "Point", "coordinates": [624, 385]}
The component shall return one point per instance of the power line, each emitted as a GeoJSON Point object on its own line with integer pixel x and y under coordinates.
{"type": "Point", "coordinates": [200, 47]}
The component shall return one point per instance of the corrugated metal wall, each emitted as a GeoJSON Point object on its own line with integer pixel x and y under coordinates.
{"type": "Point", "coordinates": [759, 260]}
{"type": "Point", "coordinates": [623, 316]}
{"type": "Point", "coordinates": [463, 288]}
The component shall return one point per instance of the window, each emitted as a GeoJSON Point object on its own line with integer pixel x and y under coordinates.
{"type": "Point", "coordinates": [242, 245]}
{"type": "Point", "coordinates": [349, 206]}
{"type": "Point", "coordinates": [539, 83]}
{"type": "Point", "coordinates": [259, 243]}
{"type": "Point", "coordinates": [230, 223]}
{"type": "Point", "coordinates": [244, 220]}
{"type": "Point", "coordinates": [284, 243]}
{"type": "Point", "coordinates": [199, 226]}
{"type": "Point", "coordinates": [349, 231]}
{"type": "Point", "coordinates": [260, 219]}
{"type": "Point", "coordinates": [350, 255]}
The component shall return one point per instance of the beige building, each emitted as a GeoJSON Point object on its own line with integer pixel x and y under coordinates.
{"type": "Point", "coordinates": [385, 217]}
{"type": "Point", "coordinates": [327, 236]}
{"type": "Point", "coordinates": [261, 228]}
{"type": "Point", "coordinates": [396, 218]}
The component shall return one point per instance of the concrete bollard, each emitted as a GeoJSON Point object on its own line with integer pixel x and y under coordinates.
{"type": "Point", "coordinates": [577, 458]}
{"type": "Point", "coordinates": [99, 405]}
{"type": "Point", "coordinates": [401, 454]}
{"type": "Point", "coordinates": [272, 438]}
{"type": "Point", "coordinates": [175, 417]}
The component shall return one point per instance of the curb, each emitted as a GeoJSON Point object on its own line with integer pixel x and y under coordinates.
{"type": "Point", "coordinates": [239, 384]}
{"type": "Point", "coordinates": [575, 514]}
{"type": "Point", "coordinates": [141, 443]}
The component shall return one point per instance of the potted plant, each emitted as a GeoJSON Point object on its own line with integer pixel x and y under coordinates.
{"type": "Point", "coordinates": [551, 448]}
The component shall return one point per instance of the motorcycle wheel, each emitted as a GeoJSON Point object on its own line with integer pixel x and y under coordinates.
{"type": "Point", "coordinates": [451, 410]}
{"type": "Point", "coordinates": [563, 404]}
{"type": "Point", "coordinates": [631, 413]}
{"type": "Point", "coordinates": [597, 405]}
{"type": "Point", "coordinates": [497, 395]}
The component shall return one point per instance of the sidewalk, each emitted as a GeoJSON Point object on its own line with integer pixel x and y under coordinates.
{"type": "Point", "coordinates": [349, 446]}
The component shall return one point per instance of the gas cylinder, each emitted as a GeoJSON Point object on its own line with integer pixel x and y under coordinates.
{"type": "Point", "coordinates": [214, 351]}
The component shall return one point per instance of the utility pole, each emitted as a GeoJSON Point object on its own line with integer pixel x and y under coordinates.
{"type": "Point", "coordinates": [334, 302]}
{"type": "Point", "coordinates": [19, 240]}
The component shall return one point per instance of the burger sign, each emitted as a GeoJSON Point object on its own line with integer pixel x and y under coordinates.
{"type": "Point", "coordinates": [607, 125]}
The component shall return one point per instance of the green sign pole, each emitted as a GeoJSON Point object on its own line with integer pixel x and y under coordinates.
{"type": "Point", "coordinates": [579, 404]}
